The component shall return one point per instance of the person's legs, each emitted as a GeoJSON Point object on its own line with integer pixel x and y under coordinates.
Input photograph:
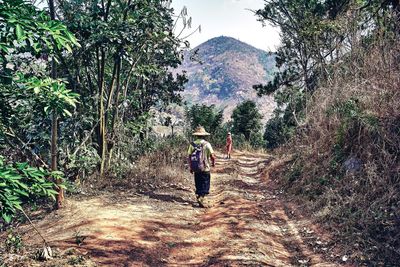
{"type": "Point", "coordinates": [197, 183]}
{"type": "Point", "coordinates": [205, 189]}
{"type": "Point", "coordinates": [202, 182]}
{"type": "Point", "coordinates": [206, 183]}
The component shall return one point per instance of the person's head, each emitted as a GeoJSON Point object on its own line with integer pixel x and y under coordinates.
{"type": "Point", "coordinates": [229, 134]}
{"type": "Point", "coordinates": [200, 132]}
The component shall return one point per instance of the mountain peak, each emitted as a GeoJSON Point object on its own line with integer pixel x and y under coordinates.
{"type": "Point", "coordinates": [227, 73]}
{"type": "Point", "coordinates": [222, 43]}
{"type": "Point", "coordinates": [223, 39]}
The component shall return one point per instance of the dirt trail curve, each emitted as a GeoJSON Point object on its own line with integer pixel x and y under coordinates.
{"type": "Point", "coordinates": [246, 226]}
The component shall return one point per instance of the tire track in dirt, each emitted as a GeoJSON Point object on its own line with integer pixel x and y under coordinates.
{"type": "Point", "coordinates": [247, 224]}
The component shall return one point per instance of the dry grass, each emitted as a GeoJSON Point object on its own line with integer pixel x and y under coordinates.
{"type": "Point", "coordinates": [161, 166]}
{"type": "Point", "coordinates": [150, 172]}
{"type": "Point", "coordinates": [355, 116]}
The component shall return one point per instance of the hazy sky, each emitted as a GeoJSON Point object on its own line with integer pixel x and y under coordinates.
{"type": "Point", "coordinates": [229, 18]}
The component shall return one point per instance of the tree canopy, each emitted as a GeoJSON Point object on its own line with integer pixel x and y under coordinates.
{"type": "Point", "coordinates": [246, 119]}
{"type": "Point", "coordinates": [207, 116]}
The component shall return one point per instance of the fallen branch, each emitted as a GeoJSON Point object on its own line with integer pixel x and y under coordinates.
{"type": "Point", "coordinates": [47, 253]}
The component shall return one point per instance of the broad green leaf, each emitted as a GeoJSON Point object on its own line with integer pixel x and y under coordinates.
{"type": "Point", "coordinates": [24, 193]}
{"type": "Point", "coordinates": [52, 192]}
{"type": "Point", "coordinates": [22, 185]}
{"type": "Point", "coordinates": [7, 217]}
{"type": "Point", "coordinates": [4, 47]}
{"type": "Point", "coordinates": [19, 32]}
{"type": "Point", "coordinates": [67, 113]}
{"type": "Point", "coordinates": [68, 47]}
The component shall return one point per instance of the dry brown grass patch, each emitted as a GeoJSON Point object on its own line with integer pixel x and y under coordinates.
{"type": "Point", "coordinates": [354, 118]}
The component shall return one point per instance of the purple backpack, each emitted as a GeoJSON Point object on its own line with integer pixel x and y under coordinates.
{"type": "Point", "coordinates": [197, 159]}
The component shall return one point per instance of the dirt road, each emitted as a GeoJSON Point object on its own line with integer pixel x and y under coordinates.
{"type": "Point", "coordinates": [247, 225]}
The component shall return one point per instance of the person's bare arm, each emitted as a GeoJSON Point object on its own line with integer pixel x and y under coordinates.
{"type": "Point", "coordinates": [213, 158]}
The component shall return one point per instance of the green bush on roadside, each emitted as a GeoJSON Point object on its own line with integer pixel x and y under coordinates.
{"type": "Point", "coordinates": [20, 184]}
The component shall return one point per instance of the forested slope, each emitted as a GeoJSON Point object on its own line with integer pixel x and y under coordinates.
{"type": "Point", "coordinates": [339, 121]}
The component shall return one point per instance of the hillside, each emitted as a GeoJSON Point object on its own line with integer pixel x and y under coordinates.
{"type": "Point", "coordinates": [225, 72]}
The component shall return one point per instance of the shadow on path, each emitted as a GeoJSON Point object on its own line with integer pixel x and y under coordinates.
{"type": "Point", "coordinates": [247, 225]}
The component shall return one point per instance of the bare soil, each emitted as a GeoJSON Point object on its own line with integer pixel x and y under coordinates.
{"type": "Point", "coordinates": [248, 224]}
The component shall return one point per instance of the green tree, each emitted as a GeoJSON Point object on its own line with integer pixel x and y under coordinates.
{"type": "Point", "coordinates": [123, 68]}
{"type": "Point", "coordinates": [207, 116]}
{"type": "Point", "coordinates": [121, 71]}
{"type": "Point", "coordinates": [310, 38]}
{"type": "Point", "coordinates": [246, 119]}
{"type": "Point", "coordinates": [315, 35]}
{"type": "Point", "coordinates": [27, 33]}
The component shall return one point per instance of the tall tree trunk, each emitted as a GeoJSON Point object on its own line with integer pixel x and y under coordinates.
{"type": "Point", "coordinates": [102, 142]}
{"type": "Point", "coordinates": [116, 110]}
{"type": "Point", "coordinates": [114, 113]}
{"type": "Point", "coordinates": [54, 122]}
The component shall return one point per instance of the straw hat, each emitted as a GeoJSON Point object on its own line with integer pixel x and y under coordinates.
{"type": "Point", "coordinates": [200, 131]}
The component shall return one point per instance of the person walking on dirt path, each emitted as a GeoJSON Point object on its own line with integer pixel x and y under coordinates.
{"type": "Point", "coordinates": [201, 159]}
{"type": "Point", "coordinates": [229, 144]}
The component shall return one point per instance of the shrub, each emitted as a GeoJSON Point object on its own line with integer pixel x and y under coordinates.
{"type": "Point", "coordinates": [20, 184]}
{"type": "Point", "coordinates": [276, 133]}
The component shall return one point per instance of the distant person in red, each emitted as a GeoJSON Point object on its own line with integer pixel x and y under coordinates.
{"type": "Point", "coordinates": [228, 146]}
